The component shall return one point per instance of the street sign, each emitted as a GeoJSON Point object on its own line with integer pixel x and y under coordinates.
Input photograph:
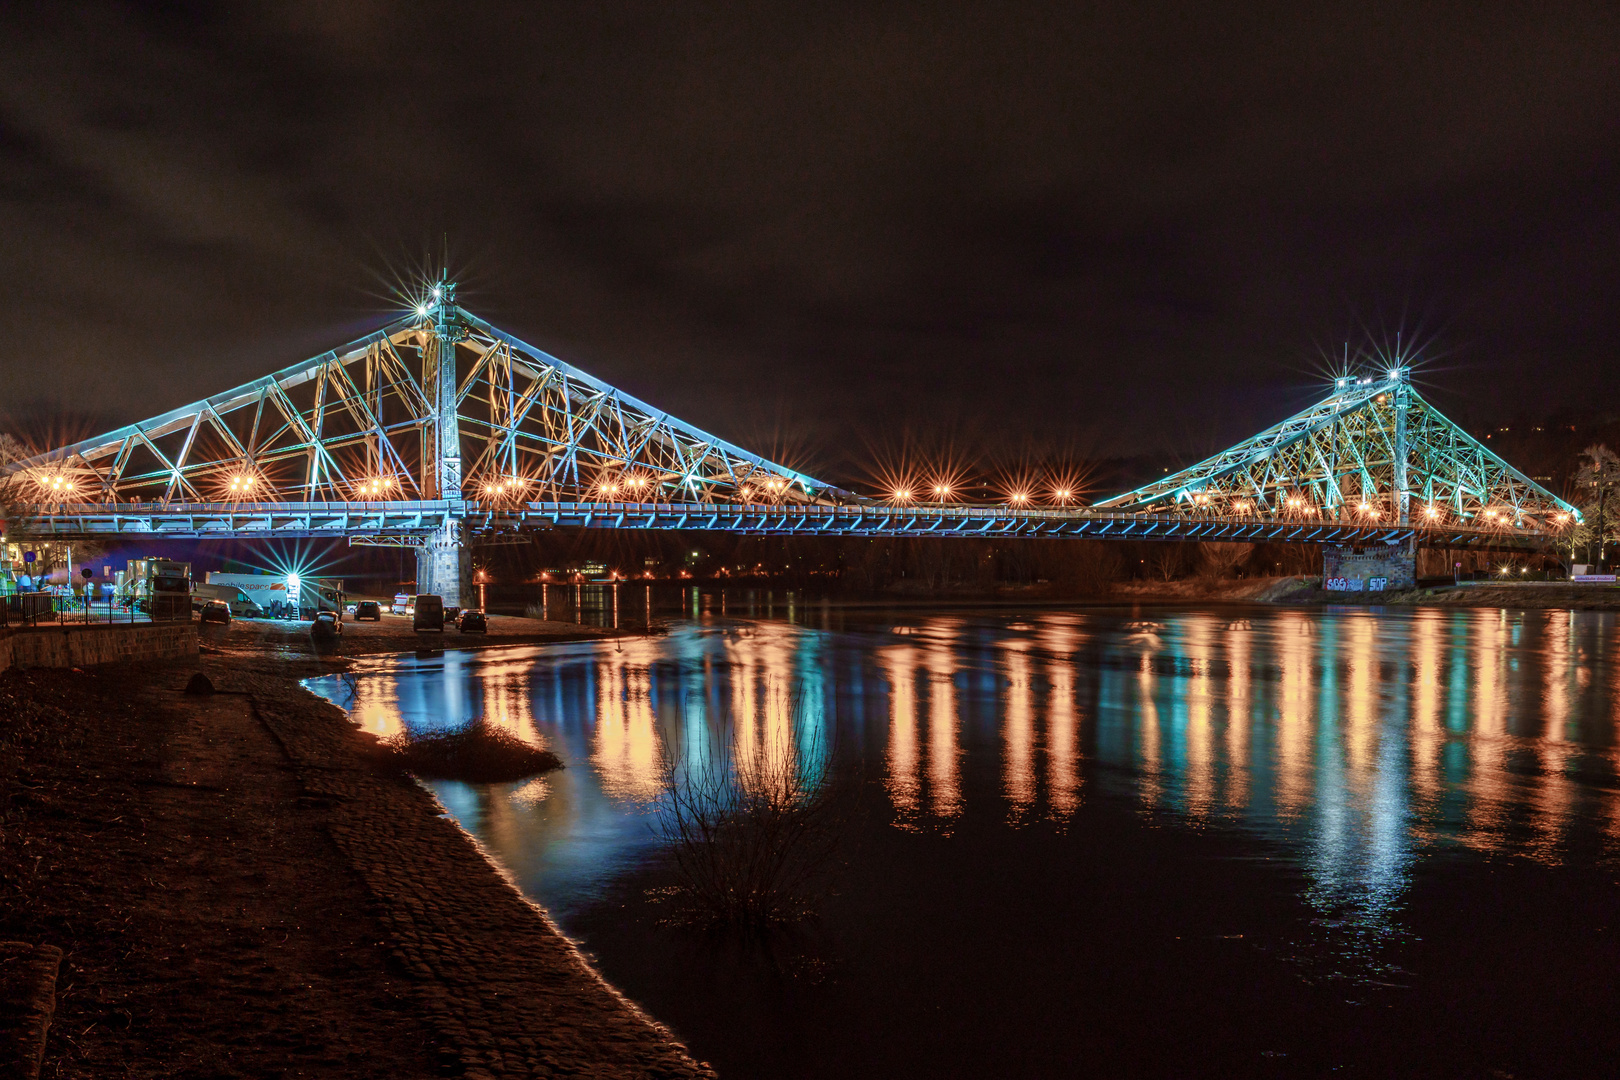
{"type": "Point", "coordinates": [87, 573]}
{"type": "Point", "coordinates": [28, 556]}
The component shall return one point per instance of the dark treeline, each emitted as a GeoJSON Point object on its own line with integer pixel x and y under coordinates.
{"type": "Point", "coordinates": [1548, 448]}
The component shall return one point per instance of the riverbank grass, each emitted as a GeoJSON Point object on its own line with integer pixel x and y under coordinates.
{"type": "Point", "coordinates": [479, 753]}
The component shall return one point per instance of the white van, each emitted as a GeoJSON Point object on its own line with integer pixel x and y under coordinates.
{"type": "Point", "coordinates": [241, 605]}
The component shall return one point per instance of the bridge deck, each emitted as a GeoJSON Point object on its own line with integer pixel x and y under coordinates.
{"type": "Point", "coordinates": [413, 519]}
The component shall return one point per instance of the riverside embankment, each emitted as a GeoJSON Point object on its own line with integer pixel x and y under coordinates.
{"type": "Point", "coordinates": [237, 890]}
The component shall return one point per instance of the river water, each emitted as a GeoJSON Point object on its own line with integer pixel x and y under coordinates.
{"type": "Point", "coordinates": [1113, 841]}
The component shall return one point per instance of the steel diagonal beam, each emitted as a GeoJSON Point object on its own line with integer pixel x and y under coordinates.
{"type": "Point", "coordinates": [1259, 448]}
{"type": "Point", "coordinates": [311, 443]}
{"type": "Point", "coordinates": [806, 483]}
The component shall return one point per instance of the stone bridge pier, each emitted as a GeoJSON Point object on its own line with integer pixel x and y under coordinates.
{"type": "Point", "coordinates": [444, 566]}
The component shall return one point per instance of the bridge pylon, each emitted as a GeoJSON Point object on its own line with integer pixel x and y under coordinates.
{"type": "Point", "coordinates": [1372, 452]}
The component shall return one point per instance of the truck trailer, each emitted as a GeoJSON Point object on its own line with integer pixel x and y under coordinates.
{"type": "Point", "coordinates": [285, 595]}
{"type": "Point", "coordinates": [159, 587]}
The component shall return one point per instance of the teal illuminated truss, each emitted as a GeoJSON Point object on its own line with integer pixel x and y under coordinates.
{"type": "Point", "coordinates": [1372, 451]}
{"type": "Point", "coordinates": [439, 405]}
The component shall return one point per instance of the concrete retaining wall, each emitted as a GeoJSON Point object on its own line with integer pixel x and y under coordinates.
{"type": "Point", "coordinates": [85, 646]}
{"type": "Point", "coordinates": [1374, 570]}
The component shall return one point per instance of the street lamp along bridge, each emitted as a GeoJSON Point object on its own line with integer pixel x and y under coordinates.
{"type": "Point", "coordinates": [440, 430]}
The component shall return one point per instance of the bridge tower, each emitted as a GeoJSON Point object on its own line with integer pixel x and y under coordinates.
{"type": "Point", "coordinates": [443, 564]}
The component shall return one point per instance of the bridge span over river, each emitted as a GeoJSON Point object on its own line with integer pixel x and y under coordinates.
{"type": "Point", "coordinates": [439, 431]}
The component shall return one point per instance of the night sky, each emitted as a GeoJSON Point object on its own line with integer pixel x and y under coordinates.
{"type": "Point", "coordinates": [1118, 228]}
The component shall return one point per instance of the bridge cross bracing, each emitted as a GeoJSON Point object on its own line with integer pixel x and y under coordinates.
{"type": "Point", "coordinates": [440, 429]}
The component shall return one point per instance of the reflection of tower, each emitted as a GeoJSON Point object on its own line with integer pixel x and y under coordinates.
{"type": "Point", "coordinates": [1237, 716]}
{"type": "Point", "coordinates": [1295, 654]}
{"type": "Point", "coordinates": [1199, 698]}
{"type": "Point", "coordinates": [628, 752]}
{"type": "Point", "coordinates": [1057, 638]}
{"type": "Point", "coordinates": [1062, 736]}
{"type": "Point", "coordinates": [944, 785]}
{"type": "Point", "coordinates": [900, 664]}
{"type": "Point", "coordinates": [1426, 734]}
{"type": "Point", "coordinates": [1148, 748]}
{"type": "Point", "coordinates": [1554, 791]}
{"type": "Point", "coordinates": [1488, 786]}
{"type": "Point", "coordinates": [1018, 734]}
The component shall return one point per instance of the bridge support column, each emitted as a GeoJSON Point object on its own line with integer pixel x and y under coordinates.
{"type": "Point", "coordinates": [444, 567]}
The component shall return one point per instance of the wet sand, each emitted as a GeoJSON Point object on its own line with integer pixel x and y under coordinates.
{"type": "Point", "coordinates": [239, 891]}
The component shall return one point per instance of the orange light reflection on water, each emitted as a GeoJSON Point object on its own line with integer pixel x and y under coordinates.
{"type": "Point", "coordinates": [1018, 733]}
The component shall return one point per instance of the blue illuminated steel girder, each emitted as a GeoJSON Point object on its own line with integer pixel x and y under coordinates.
{"type": "Point", "coordinates": [435, 405]}
{"type": "Point", "coordinates": [398, 522]}
{"type": "Point", "coordinates": [1373, 450]}
{"type": "Point", "coordinates": [443, 428]}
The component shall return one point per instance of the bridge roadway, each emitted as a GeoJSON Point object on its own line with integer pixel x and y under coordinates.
{"type": "Point", "coordinates": [406, 522]}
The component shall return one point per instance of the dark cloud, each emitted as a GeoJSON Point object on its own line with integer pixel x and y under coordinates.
{"type": "Point", "coordinates": [1142, 222]}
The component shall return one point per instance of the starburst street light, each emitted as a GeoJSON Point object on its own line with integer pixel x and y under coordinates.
{"type": "Point", "coordinates": [376, 487]}
{"type": "Point", "coordinates": [500, 487]}
{"type": "Point", "coordinates": [57, 485]}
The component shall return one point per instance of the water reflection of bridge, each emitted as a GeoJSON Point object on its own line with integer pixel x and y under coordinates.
{"type": "Point", "coordinates": [1362, 734]}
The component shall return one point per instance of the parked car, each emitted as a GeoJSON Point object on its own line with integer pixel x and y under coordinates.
{"type": "Point", "coordinates": [473, 622]}
{"type": "Point", "coordinates": [429, 613]}
{"type": "Point", "coordinates": [216, 611]}
{"type": "Point", "coordinates": [368, 609]}
{"type": "Point", "coordinates": [326, 625]}
{"type": "Point", "coordinates": [452, 614]}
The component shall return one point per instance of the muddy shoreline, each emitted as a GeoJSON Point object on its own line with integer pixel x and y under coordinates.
{"type": "Point", "coordinates": [239, 890]}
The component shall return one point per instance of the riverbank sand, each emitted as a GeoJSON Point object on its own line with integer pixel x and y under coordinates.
{"type": "Point", "coordinates": [238, 892]}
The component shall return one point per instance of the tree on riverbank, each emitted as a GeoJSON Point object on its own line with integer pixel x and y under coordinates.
{"type": "Point", "coordinates": [1596, 480]}
{"type": "Point", "coordinates": [1218, 560]}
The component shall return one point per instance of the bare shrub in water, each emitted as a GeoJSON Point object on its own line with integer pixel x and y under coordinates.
{"type": "Point", "coordinates": [754, 833]}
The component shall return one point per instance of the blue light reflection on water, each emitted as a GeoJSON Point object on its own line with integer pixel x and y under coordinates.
{"type": "Point", "coordinates": [1353, 743]}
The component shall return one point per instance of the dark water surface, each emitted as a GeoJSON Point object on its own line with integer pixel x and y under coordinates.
{"type": "Point", "coordinates": [1101, 841]}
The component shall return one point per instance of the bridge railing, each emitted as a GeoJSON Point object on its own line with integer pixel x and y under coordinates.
{"type": "Point", "coordinates": [426, 515]}
{"type": "Point", "coordinates": [970, 512]}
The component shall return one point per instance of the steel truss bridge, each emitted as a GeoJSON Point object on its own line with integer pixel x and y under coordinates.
{"type": "Point", "coordinates": [406, 523]}
{"type": "Point", "coordinates": [441, 431]}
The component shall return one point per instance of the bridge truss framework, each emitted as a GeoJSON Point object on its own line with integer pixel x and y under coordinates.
{"type": "Point", "coordinates": [441, 430]}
